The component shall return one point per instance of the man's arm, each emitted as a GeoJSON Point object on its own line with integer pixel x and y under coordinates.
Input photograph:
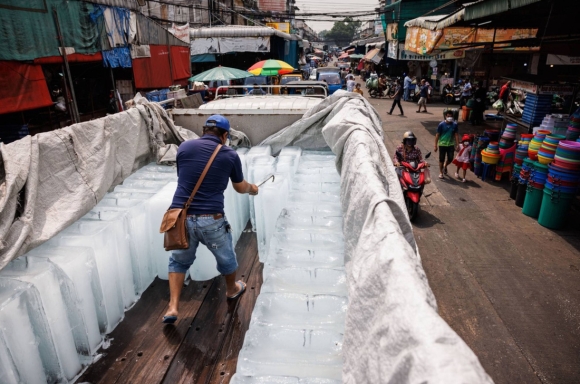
{"type": "Point", "coordinates": [437, 137]}
{"type": "Point", "coordinates": [245, 187]}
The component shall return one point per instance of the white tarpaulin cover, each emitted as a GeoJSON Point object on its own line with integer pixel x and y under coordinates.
{"type": "Point", "coordinates": [50, 180]}
{"type": "Point", "coordinates": [206, 45]}
{"type": "Point", "coordinates": [393, 332]}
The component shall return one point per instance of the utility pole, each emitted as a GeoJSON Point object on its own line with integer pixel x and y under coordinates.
{"type": "Point", "coordinates": [74, 112]}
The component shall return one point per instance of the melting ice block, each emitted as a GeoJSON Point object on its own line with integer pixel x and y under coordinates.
{"type": "Point", "coordinates": [83, 286]}
{"type": "Point", "coordinates": [113, 263]}
{"type": "Point", "coordinates": [269, 203]}
{"type": "Point", "coordinates": [26, 341]}
{"type": "Point", "coordinates": [58, 305]}
{"type": "Point", "coordinates": [300, 311]}
{"type": "Point", "coordinates": [291, 352]}
{"type": "Point", "coordinates": [283, 258]}
{"type": "Point", "coordinates": [239, 379]}
{"type": "Point", "coordinates": [259, 168]}
{"type": "Point", "coordinates": [305, 280]}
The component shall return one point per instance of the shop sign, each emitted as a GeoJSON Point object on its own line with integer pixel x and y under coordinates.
{"type": "Point", "coordinates": [229, 44]}
{"type": "Point", "coordinates": [479, 73]}
{"type": "Point", "coordinates": [393, 32]}
{"type": "Point", "coordinates": [524, 86]}
{"type": "Point", "coordinates": [447, 55]}
{"type": "Point", "coordinates": [392, 50]}
{"type": "Point", "coordinates": [563, 90]}
{"type": "Point", "coordinates": [562, 60]}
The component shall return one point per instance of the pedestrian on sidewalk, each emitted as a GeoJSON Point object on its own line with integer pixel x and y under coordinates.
{"type": "Point", "coordinates": [424, 93]}
{"type": "Point", "coordinates": [446, 141]}
{"type": "Point", "coordinates": [462, 158]}
{"type": "Point", "coordinates": [397, 98]}
{"type": "Point", "coordinates": [407, 84]}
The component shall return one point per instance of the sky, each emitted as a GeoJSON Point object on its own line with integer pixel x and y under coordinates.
{"type": "Point", "coordinates": [325, 6]}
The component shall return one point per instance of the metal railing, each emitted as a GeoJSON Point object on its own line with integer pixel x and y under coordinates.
{"type": "Point", "coordinates": [299, 90]}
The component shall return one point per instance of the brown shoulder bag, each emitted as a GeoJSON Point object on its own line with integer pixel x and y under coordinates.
{"type": "Point", "coordinates": [173, 223]}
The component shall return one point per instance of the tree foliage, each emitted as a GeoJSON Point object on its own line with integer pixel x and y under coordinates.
{"type": "Point", "coordinates": [342, 32]}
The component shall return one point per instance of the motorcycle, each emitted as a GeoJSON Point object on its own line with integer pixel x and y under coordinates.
{"type": "Point", "coordinates": [451, 94]}
{"type": "Point", "coordinates": [388, 91]}
{"type": "Point", "coordinates": [413, 176]}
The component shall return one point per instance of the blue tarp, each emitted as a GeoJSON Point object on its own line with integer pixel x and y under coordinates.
{"type": "Point", "coordinates": [117, 57]}
{"type": "Point", "coordinates": [205, 58]}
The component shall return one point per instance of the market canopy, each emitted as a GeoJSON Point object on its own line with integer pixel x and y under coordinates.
{"type": "Point", "coordinates": [221, 73]}
{"type": "Point", "coordinates": [343, 56]}
{"type": "Point", "coordinates": [356, 56]}
{"type": "Point", "coordinates": [270, 68]}
{"type": "Point", "coordinates": [203, 58]}
{"type": "Point", "coordinates": [374, 55]}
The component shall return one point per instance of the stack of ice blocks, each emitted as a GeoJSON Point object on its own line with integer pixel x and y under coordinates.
{"type": "Point", "coordinates": [295, 333]}
{"type": "Point", "coordinates": [59, 300]}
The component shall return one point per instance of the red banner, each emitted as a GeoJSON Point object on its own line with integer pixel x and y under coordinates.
{"type": "Point", "coordinates": [155, 71]}
{"type": "Point", "coordinates": [22, 87]}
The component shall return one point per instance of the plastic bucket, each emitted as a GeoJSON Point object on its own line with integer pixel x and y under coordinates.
{"type": "Point", "coordinates": [533, 202]}
{"type": "Point", "coordinates": [554, 208]}
{"type": "Point", "coordinates": [521, 194]}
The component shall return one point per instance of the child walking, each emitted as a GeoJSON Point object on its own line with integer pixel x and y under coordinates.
{"type": "Point", "coordinates": [462, 158]}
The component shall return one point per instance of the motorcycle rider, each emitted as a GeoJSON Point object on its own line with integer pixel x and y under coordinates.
{"type": "Point", "coordinates": [408, 151]}
{"type": "Point", "coordinates": [382, 83]}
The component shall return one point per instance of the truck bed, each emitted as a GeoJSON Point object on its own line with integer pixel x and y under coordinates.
{"type": "Point", "coordinates": [202, 346]}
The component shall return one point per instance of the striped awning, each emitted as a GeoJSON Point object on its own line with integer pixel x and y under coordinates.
{"type": "Point", "coordinates": [372, 53]}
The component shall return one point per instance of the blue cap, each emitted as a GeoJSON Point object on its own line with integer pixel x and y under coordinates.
{"type": "Point", "coordinates": [218, 121]}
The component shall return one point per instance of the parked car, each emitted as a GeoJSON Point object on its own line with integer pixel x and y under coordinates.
{"type": "Point", "coordinates": [259, 80]}
{"type": "Point", "coordinates": [308, 88]}
{"type": "Point", "coordinates": [213, 85]}
{"type": "Point", "coordinates": [330, 75]}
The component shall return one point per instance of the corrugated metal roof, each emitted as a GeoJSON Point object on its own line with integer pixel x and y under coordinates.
{"type": "Point", "coordinates": [436, 22]}
{"type": "Point", "coordinates": [151, 33]}
{"type": "Point", "coordinates": [264, 103]}
{"type": "Point", "coordinates": [492, 7]}
{"type": "Point", "coordinates": [238, 31]}
{"type": "Point", "coordinates": [368, 41]}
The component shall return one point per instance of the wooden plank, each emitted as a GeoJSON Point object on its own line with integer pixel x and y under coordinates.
{"type": "Point", "coordinates": [195, 359]}
{"type": "Point", "coordinates": [227, 361]}
{"type": "Point", "coordinates": [141, 323]}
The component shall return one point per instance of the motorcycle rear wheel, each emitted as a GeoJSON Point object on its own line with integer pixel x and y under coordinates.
{"type": "Point", "coordinates": [412, 209]}
{"type": "Point", "coordinates": [373, 93]}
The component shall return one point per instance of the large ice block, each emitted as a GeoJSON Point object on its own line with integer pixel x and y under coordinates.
{"type": "Point", "coordinates": [269, 203]}
{"type": "Point", "coordinates": [291, 352]}
{"type": "Point", "coordinates": [300, 311]}
{"type": "Point", "coordinates": [25, 336]}
{"type": "Point", "coordinates": [239, 379]}
{"type": "Point", "coordinates": [296, 220]}
{"type": "Point", "coordinates": [141, 186]}
{"type": "Point", "coordinates": [304, 240]}
{"type": "Point", "coordinates": [45, 277]}
{"type": "Point", "coordinates": [154, 167]}
{"type": "Point", "coordinates": [135, 215]}
{"type": "Point", "coordinates": [259, 167]}
{"type": "Point", "coordinates": [284, 258]}
{"type": "Point", "coordinates": [330, 281]}
{"type": "Point", "coordinates": [79, 266]}
{"type": "Point", "coordinates": [114, 267]}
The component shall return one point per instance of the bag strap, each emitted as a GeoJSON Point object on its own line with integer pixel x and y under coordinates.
{"type": "Point", "coordinates": [198, 184]}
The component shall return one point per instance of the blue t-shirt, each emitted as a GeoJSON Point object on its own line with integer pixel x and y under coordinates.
{"type": "Point", "coordinates": [424, 92]}
{"type": "Point", "coordinates": [192, 156]}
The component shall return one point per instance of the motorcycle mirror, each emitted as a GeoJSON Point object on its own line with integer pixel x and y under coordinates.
{"type": "Point", "coordinates": [427, 155]}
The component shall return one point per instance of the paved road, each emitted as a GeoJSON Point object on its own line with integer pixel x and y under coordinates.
{"type": "Point", "coordinates": [509, 287]}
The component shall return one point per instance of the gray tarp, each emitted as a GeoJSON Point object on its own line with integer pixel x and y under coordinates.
{"type": "Point", "coordinates": [50, 180]}
{"type": "Point", "coordinates": [393, 333]}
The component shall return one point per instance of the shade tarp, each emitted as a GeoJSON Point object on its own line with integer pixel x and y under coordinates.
{"type": "Point", "coordinates": [36, 33]}
{"type": "Point", "coordinates": [378, 57]}
{"type": "Point", "coordinates": [204, 58]}
{"type": "Point", "coordinates": [22, 87]}
{"type": "Point", "coordinates": [393, 333]}
{"type": "Point", "coordinates": [180, 64]}
{"type": "Point", "coordinates": [50, 180]}
{"type": "Point", "coordinates": [155, 71]}
{"type": "Point", "coordinates": [370, 54]}
{"type": "Point", "coordinates": [72, 58]}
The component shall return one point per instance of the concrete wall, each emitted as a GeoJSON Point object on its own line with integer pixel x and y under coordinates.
{"type": "Point", "coordinates": [257, 125]}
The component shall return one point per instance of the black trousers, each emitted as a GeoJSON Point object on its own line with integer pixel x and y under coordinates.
{"type": "Point", "coordinates": [397, 102]}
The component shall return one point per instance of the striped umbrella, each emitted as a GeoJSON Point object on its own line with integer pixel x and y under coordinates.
{"type": "Point", "coordinates": [270, 68]}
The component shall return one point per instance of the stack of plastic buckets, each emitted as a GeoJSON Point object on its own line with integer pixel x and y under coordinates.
{"type": "Point", "coordinates": [547, 151]}
{"type": "Point", "coordinates": [515, 180]}
{"type": "Point", "coordinates": [573, 132]}
{"type": "Point", "coordinates": [523, 182]}
{"type": "Point", "coordinates": [536, 144]}
{"type": "Point", "coordinates": [561, 185]}
{"type": "Point", "coordinates": [534, 190]}
{"type": "Point", "coordinates": [508, 136]}
{"type": "Point", "coordinates": [522, 150]}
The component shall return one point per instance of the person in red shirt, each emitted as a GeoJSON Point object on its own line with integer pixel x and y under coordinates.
{"type": "Point", "coordinates": [505, 92]}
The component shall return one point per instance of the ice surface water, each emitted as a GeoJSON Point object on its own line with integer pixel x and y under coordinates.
{"type": "Point", "coordinates": [295, 333]}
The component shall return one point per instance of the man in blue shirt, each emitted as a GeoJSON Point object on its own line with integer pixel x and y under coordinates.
{"type": "Point", "coordinates": [424, 93]}
{"type": "Point", "coordinates": [407, 84]}
{"type": "Point", "coordinates": [206, 222]}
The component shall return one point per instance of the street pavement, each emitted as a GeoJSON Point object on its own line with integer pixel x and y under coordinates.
{"type": "Point", "coordinates": [508, 286]}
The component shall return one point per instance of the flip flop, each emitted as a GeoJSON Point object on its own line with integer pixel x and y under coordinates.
{"type": "Point", "coordinates": [169, 319]}
{"type": "Point", "coordinates": [241, 284]}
